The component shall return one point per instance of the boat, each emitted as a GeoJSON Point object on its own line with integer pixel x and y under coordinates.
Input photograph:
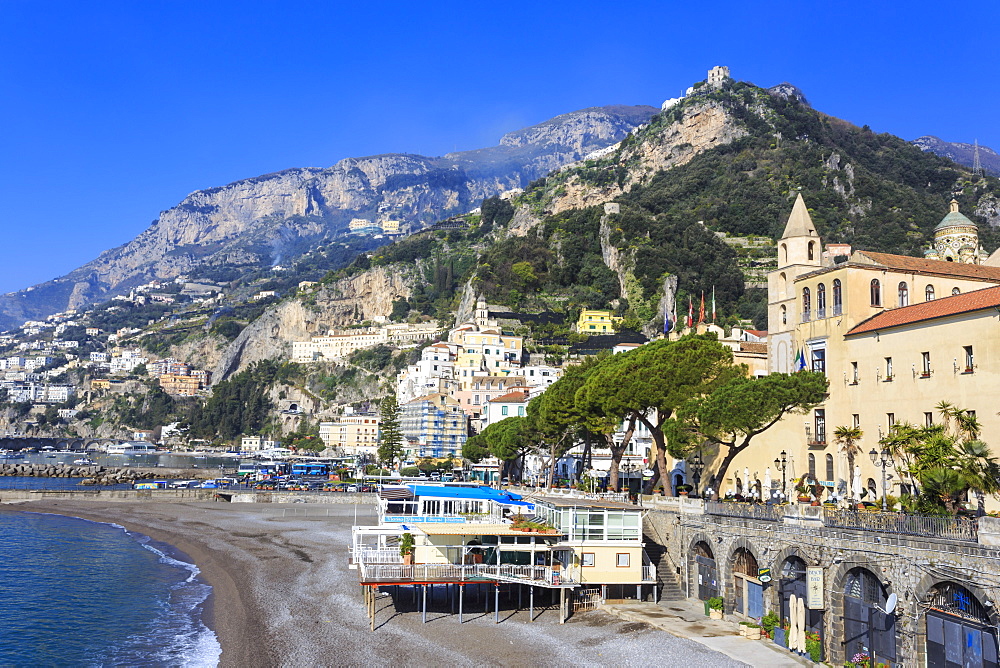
{"type": "Point", "coordinates": [12, 455]}
{"type": "Point", "coordinates": [85, 461]}
{"type": "Point", "coordinates": [50, 456]}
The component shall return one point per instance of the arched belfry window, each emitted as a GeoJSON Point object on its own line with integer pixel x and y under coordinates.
{"type": "Point", "coordinates": [904, 294]}
{"type": "Point", "coordinates": [876, 292]}
{"type": "Point", "coordinates": [838, 297]}
{"type": "Point", "coordinates": [812, 250]}
{"type": "Point", "coordinates": [806, 305]}
{"type": "Point", "coordinates": [784, 315]}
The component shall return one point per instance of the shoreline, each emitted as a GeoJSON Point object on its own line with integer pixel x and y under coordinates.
{"type": "Point", "coordinates": [229, 628]}
{"type": "Point", "coordinates": [282, 595]}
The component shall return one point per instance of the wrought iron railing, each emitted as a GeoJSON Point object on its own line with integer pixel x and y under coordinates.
{"type": "Point", "coordinates": [952, 528]}
{"type": "Point", "coordinates": [750, 511]}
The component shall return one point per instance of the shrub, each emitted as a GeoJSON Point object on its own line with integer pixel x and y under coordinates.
{"type": "Point", "coordinates": [715, 603]}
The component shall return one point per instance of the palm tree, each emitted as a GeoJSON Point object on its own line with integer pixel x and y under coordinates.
{"type": "Point", "coordinates": [944, 485]}
{"type": "Point", "coordinates": [847, 438]}
{"type": "Point", "coordinates": [980, 472]}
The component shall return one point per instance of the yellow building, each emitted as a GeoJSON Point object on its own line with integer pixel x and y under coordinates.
{"type": "Point", "coordinates": [596, 322]}
{"type": "Point", "coordinates": [895, 335]}
{"type": "Point", "coordinates": [186, 386]}
{"type": "Point", "coordinates": [351, 434]}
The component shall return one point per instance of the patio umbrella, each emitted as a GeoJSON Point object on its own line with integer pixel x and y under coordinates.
{"type": "Point", "coordinates": [802, 624]}
{"type": "Point", "coordinates": [767, 481]}
{"type": "Point", "coordinates": [856, 487]}
{"type": "Point", "coordinates": [793, 619]}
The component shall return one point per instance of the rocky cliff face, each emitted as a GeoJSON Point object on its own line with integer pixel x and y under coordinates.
{"type": "Point", "coordinates": [267, 219]}
{"type": "Point", "coordinates": [346, 302]}
{"type": "Point", "coordinates": [701, 125]}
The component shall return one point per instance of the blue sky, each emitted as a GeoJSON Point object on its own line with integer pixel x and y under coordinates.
{"type": "Point", "coordinates": [114, 111]}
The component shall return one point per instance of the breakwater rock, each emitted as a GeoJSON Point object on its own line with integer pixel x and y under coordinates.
{"type": "Point", "coordinates": [92, 475]}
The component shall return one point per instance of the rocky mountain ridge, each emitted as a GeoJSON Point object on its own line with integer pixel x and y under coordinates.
{"type": "Point", "coordinates": [271, 218]}
{"type": "Point", "coordinates": [961, 152]}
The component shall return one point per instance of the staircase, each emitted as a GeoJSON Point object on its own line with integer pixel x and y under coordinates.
{"type": "Point", "coordinates": [666, 575]}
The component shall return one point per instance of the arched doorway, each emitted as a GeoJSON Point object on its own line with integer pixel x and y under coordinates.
{"type": "Point", "coordinates": [867, 629]}
{"type": "Point", "coordinates": [959, 631]}
{"type": "Point", "coordinates": [792, 581]}
{"type": "Point", "coordinates": [748, 590]}
{"type": "Point", "coordinates": [708, 573]}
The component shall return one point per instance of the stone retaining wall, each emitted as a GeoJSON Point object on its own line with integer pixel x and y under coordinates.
{"type": "Point", "coordinates": [908, 566]}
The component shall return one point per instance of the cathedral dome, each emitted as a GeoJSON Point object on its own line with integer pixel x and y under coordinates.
{"type": "Point", "coordinates": [954, 219]}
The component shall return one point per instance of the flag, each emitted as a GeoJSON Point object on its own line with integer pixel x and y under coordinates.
{"type": "Point", "coordinates": [713, 303]}
{"type": "Point", "coordinates": [667, 325]}
{"type": "Point", "coordinates": [701, 311]}
{"type": "Point", "coordinates": [800, 361]}
{"type": "Point", "coordinates": [690, 320]}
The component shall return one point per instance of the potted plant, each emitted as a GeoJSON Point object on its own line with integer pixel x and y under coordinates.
{"type": "Point", "coordinates": [802, 487]}
{"type": "Point", "coordinates": [752, 631]}
{"type": "Point", "coordinates": [684, 490]}
{"type": "Point", "coordinates": [715, 607]}
{"type": "Point", "coordinates": [817, 492]}
{"type": "Point", "coordinates": [406, 548]}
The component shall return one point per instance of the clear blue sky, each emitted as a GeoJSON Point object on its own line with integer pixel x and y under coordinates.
{"type": "Point", "coordinates": [114, 111]}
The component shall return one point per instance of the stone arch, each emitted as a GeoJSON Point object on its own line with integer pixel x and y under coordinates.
{"type": "Point", "coordinates": [923, 594]}
{"type": "Point", "coordinates": [772, 594]}
{"type": "Point", "coordinates": [727, 572]}
{"type": "Point", "coordinates": [95, 444]}
{"type": "Point", "coordinates": [928, 581]}
{"type": "Point", "coordinates": [699, 543]}
{"type": "Point", "coordinates": [63, 445]}
{"type": "Point", "coordinates": [701, 537]}
{"type": "Point", "coordinates": [835, 604]}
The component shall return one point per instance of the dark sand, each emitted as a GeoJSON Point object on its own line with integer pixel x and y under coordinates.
{"type": "Point", "coordinates": [283, 596]}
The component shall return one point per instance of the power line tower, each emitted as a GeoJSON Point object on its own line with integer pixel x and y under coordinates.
{"type": "Point", "coordinates": [977, 167]}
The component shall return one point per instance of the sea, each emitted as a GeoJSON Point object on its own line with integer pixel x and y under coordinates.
{"type": "Point", "coordinates": [80, 593]}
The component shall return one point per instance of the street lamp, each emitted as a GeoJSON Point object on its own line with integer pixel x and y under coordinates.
{"type": "Point", "coordinates": [697, 465]}
{"type": "Point", "coordinates": [883, 460]}
{"type": "Point", "coordinates": [781, 464]}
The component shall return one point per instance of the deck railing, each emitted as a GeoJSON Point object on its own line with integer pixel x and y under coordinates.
{"type": "Point", "coordinates": [750, 511]}
{"type": "Point", "coordinates": [377, 556]}
{"type": "Point", "coordinates": [953, 528]}
{"type": "Point", "coordinates": [649, 574]}
{"type": "Point", "coordinates": [542, 575]}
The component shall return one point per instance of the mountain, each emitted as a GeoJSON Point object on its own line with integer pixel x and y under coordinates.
{"type": "Point", "coordinates": [962, 153]}
{"type": "Point", "coordinates": [665, 216]}
{"type": "Point", "coordinates": [273, 218]}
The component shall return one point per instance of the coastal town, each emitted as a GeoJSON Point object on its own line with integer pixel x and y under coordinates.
{"type": "Point", "coordinates": [566, 533]}
{"type": "Point", "coordinates": [705, 382]}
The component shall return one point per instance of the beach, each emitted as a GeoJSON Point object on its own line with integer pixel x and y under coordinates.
{"type": "Point", "coordinates": [283, 596]}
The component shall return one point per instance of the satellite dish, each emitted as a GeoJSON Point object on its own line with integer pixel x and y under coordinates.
{"type": "Point", "coordinates": [890, 603]}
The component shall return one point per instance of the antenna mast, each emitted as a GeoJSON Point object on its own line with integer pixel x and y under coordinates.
{"type": "Point", "coordinates": [977, 167]}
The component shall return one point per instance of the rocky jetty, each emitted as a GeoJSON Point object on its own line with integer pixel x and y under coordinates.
{"type": "Point", "coordinates": [92, 475]}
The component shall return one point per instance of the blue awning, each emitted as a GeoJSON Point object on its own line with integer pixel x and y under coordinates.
{"type": "Point", "coordinates": [477, 493]}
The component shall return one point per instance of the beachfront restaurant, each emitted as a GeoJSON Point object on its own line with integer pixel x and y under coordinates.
{"type": "Point", "coordinates": [604, 542]}
{"type": "Point", "coordinates": [485, 558]}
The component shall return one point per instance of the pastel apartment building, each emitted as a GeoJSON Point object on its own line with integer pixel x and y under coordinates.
{"type": "Point", "coordinates": [351, 434]}
{"type": "Point", "coordinates": [596, 322]}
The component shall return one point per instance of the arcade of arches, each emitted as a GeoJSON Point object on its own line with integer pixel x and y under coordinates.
{"type": "Point", "coordinates": [942, 617]}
